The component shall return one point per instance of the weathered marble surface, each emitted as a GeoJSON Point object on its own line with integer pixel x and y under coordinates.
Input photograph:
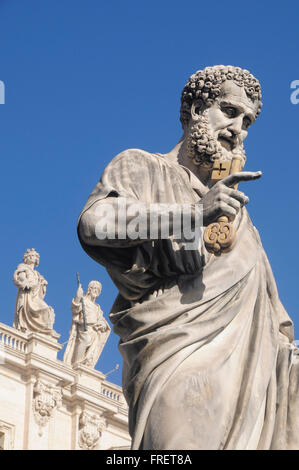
{"type": "Point", "coordinates": [87, 338]}
{"type": "Point", "coordinates": [209, 358]}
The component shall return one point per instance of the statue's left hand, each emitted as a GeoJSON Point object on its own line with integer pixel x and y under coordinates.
{"type": "Point", "coordinates": [101, 326]}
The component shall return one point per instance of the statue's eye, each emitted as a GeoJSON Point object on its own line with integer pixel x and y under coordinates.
{"type": "Point", "coordinates": [246, 122]}
{"type": "Point", "coordinates": [230, 111]}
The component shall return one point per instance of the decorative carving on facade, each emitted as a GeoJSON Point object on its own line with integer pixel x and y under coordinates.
{"type": "Point", "coordinates": [90, 430]}
{"type": "Point", "coordinates": [7, 433]}
{"type": "Point", "coordinates": [31, 364]}
{"type": "Point", "coordinates": [46, 397]}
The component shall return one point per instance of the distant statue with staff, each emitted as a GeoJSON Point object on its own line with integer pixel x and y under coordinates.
{"type": "Point", "coordinates": [90, 330]}
{"type": "Point", "coordinates": [32, 313]}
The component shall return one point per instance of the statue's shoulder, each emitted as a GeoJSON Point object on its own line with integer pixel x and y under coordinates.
{"type": "Point", "coordinates": [134, 156]}
{"type": "Point", "coordinates": [135, 164]}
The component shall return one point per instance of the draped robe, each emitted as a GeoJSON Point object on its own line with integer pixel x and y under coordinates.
{"type": "Point", "coordinates": [85, 346]}
{"type": "Point", "coordinates": [31, 312]}
{"type": "Point", "coordinates": [208, 355]}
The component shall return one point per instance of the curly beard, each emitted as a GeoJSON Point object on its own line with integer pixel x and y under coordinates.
{"type": "Point", "coordinates": [202, 147]}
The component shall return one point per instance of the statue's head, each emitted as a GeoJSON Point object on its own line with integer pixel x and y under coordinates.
{"type": "Point", "coordinates": [94, 289]}
{"type": "Point", "coordinates": [218, 105]}
{"type": "Point", "coordinates": [31, 257]}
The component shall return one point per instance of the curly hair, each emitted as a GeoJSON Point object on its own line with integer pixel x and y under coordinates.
{"type": "Point", "coordinates": [30, 252]}
{"type": "Point", "coordinates": [205, 85]}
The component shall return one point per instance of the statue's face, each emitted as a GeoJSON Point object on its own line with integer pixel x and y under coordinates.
{"type": "Point", "coordinates": [31, 258]}
{"type": "Point", "coordinates": [94, 291]}
{"type": "Point", "coordinates": [231, 115]}
{"type": "Point", "coordinates": [218, 132]}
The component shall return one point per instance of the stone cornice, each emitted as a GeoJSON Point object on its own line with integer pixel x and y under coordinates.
{"type": "Point", "coordinates": [33, 356]}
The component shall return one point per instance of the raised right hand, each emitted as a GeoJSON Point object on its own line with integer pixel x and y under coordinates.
{"type": "Point", "coordinates": [79, 293]}
{"type": "Point", "coordinates": [221, 199]}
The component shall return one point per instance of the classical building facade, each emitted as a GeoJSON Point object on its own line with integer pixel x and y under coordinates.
{"type": "Point", "coordinates": [48, 404]}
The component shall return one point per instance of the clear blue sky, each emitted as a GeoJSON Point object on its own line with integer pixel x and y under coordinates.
{"type": "Point", "coordinates": [86, 79]}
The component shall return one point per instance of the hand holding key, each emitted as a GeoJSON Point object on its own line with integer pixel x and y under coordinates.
{"type": "Point", "coordinates": [222, 203]}
{"type": "Point", "coordinates": [223, 200]}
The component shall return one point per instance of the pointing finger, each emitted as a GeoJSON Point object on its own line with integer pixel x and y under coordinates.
{"type": "Point", "coordinates": [236, 178]}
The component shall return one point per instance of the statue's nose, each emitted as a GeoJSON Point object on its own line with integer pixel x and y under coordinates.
{"type": "Point", "coordinates": [235, 126]}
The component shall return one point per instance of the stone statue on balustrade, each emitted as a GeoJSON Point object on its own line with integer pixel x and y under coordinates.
{"type": "Point", "coordinates": [89, 331]}
{"type": "Point", "coordinates": [209, 354]}
{"type": "Point", "coordinates": [32, 313]}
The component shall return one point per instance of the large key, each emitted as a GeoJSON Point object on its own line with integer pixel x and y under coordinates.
{"type": "Point", "coordinates": [220, 236]}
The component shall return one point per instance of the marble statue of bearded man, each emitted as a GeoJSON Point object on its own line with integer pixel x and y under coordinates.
{"type": "Point", "coordinates": [208, 355]}
{"type": "Point", "coordinates": [32, 313]}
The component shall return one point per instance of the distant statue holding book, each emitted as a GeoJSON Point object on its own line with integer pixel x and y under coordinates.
{"type": "Point", "coordinates": [89, 331]}
{"type": "Point", "coordinates": [32, 313]}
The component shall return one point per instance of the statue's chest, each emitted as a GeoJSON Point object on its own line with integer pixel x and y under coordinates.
{"type": "Point", "coordinates": [174, 186]}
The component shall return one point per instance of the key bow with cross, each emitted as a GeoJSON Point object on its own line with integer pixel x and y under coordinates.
{"type": "Point", "coordinates": [223, 166]}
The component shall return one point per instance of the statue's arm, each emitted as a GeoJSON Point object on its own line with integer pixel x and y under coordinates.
{"type": "Point", "coordinates": [101, 324]}
{"type": "Point", "coordinates": [128, 189]}
{"type": "Point", "coordinates": [23, 277]}
{"type": "Point", "coordinates": [76, 308]}
{"type": "Point", "coordinates": [100, 225]}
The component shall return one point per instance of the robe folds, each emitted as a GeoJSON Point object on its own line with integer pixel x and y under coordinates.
{"type": "Point", "coordinates": [85, 346]}
{"type": "Point", "coordinates": [209, 358]}
{"type": "Point", "coordinates": [31, 311]}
